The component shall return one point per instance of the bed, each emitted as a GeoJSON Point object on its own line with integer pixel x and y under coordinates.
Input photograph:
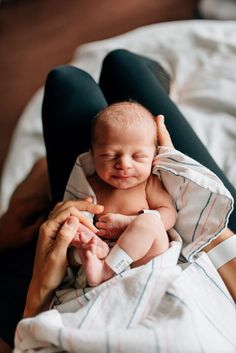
{"type": "Point", "coordinates": [178, 314]}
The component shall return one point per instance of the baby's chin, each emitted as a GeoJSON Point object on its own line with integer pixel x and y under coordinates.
{"type": "Point", "coordinates": [123, 183]}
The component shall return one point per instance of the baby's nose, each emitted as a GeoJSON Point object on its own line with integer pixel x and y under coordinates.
{"type": "Point", "coordinates": [124, 162]}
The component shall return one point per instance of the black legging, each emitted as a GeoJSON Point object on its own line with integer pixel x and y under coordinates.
{"type": "Point", "coordinates": [72, 98]}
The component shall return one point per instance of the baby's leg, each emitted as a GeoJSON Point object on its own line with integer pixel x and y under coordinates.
{"type": "Point", "coordinates": [144, 239]}
{"type": "Point", "coordinates": [95, 268]}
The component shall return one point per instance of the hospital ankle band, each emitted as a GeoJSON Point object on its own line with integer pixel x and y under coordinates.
{"type": "Point", "coordinates": [118, 259]}
{"type": "Point", "coordinates": [157, 213]}
{"type": "Point", "coordinates": [223, 252]}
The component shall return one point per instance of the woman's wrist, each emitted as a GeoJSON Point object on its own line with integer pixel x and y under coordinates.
{"type": "Point", "coordinates": [38, 299]}
{"type": "Point", "coordinates": [228, 270]}
{"type": "Point", "coordinates": [227, 233]}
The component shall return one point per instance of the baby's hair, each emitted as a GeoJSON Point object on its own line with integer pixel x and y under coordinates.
{"type": "Point", "coordinates": [123, 114]}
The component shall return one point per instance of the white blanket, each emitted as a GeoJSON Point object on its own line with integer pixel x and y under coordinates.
{"type": "Point", "coordinates": [153, 308]}
{"type": "Point", "coordinates": [156, 307]}
{"type": "Point", "coordinates": [200, 57]}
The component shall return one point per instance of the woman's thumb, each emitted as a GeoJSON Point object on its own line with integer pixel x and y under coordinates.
{"type": "Point", "coordinates": [66, 234]}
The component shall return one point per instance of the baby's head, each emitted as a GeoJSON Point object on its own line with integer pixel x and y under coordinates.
{"type": "Point", "coordinates": [123, 143]}
{"type": "Point", "coordinates": [124, 116]}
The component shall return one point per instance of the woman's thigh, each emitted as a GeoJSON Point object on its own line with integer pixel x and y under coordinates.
{"type": "Point", "coordinates": [128, 76]}
{"type": "Point", "coordinates": [71, 99]}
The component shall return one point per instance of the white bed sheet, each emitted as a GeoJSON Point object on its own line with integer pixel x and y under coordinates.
{"type": "Point", "coordinates": [200, 57]}
{"type": "Point", "coordinates": [195, 313]}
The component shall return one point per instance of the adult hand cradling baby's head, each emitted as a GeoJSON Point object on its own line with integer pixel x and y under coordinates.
{"type": "Point", "coordinates": [163, 135]}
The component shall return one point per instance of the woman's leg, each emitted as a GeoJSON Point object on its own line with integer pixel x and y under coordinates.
{"type": "Point", "coordinates": [72, 98]}
{"type": "Point", "coordinates": [128, 76]}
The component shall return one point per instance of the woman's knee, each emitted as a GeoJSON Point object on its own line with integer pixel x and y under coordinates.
{"type": "Point", "coordinates": [66, 75]}
{"type": "Point", "coordinates": [116, 57]}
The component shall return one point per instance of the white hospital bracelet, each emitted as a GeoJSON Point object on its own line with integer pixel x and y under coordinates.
{"type": "Point", "coordinates": [118, 259]}
{"type": "Point", "coordinates": [223, 252]}
{"type": "Point", "coordinates": [157, 213]}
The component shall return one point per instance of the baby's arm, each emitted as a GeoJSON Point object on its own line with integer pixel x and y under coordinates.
{"type": "Point", "coordinates": [159, 199]}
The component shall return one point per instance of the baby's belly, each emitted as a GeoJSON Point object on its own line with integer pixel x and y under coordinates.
{"type": "Point", "coordinates": [130, 206]}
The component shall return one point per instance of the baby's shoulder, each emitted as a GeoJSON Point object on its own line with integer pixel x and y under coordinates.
{"type": "Point", "coordinates": [153, 183]}
{"type": "Point", "coordinates": [155, 191]}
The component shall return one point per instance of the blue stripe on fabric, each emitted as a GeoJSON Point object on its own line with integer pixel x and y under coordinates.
{"type": "Point", "coordinates": [142, 294]}
{"type": "Point", "coordinates": [87, 312]}
{"type": "Point", "coordinates": [204, 314]}
{"type": "Point", "coordinates": [212, 323]}
{"type": "Point", "coordinates": [84, 295]}
{"type": "Point", "coordinates": [190, 312]}
{"type": "Point", "coordinates": [180, 189]}
{"type": "Point", "coordinates": [212, 280]}
{"type": "Point", "coordinates": [156, 339]}
{"type": "Point", "coordinates": [184, 163]}
{"type": "Point", "coordinates": [200, 216]}
{"type": "Point", "coordinates": [216, 234]}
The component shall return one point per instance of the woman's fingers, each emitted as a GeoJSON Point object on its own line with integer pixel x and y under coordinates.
{"type": "Point", "coordinates": [72, 208]}
{"type": "Point", "coordinates": [65, 235]}
{"type": "Point", "coordinates": [81, 205]}
{"type": "Point", "coordinates": [164, 138]}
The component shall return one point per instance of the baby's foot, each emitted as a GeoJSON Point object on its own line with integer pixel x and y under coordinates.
{"type": "Point", "coordinates": [96, 270]}
{"type": "Point", "coordinates": [112, 225]}
{"type": "Point", "coordinates": [84, 236]}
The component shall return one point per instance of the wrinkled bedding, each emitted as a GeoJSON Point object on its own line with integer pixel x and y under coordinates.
{"type": "Point", "coordinates": [200, 57]}
{"type": "Point", "coordinates": [154, 308]}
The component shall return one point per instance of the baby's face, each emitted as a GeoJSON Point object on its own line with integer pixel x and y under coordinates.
{"type": "Point", "coordinates": [123, 156]}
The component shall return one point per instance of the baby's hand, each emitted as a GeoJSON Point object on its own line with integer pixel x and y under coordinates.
{"type": "Point", "coordinates": [111, 225]}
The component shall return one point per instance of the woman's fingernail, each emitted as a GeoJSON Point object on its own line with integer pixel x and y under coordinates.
{"type": "Point", "coordinates": [72, 222]}
{"type": "Point", "coordinates": [162, 119]}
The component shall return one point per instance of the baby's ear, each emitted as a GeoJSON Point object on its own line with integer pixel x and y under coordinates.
{"type": "Point", "coordinates": [163, 136]}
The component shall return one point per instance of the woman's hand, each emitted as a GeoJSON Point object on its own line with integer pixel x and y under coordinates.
{"type": "Point", "coordinates": [163, 135]}
{"type": "Point", "coordinates": [54, 239]}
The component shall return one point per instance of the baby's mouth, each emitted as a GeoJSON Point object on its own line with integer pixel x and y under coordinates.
{"type": "Point", "coordinates": [122, 176]}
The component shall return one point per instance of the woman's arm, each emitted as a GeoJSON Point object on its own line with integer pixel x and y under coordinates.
{"type": "Point", "coordinates": [228, 270]}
